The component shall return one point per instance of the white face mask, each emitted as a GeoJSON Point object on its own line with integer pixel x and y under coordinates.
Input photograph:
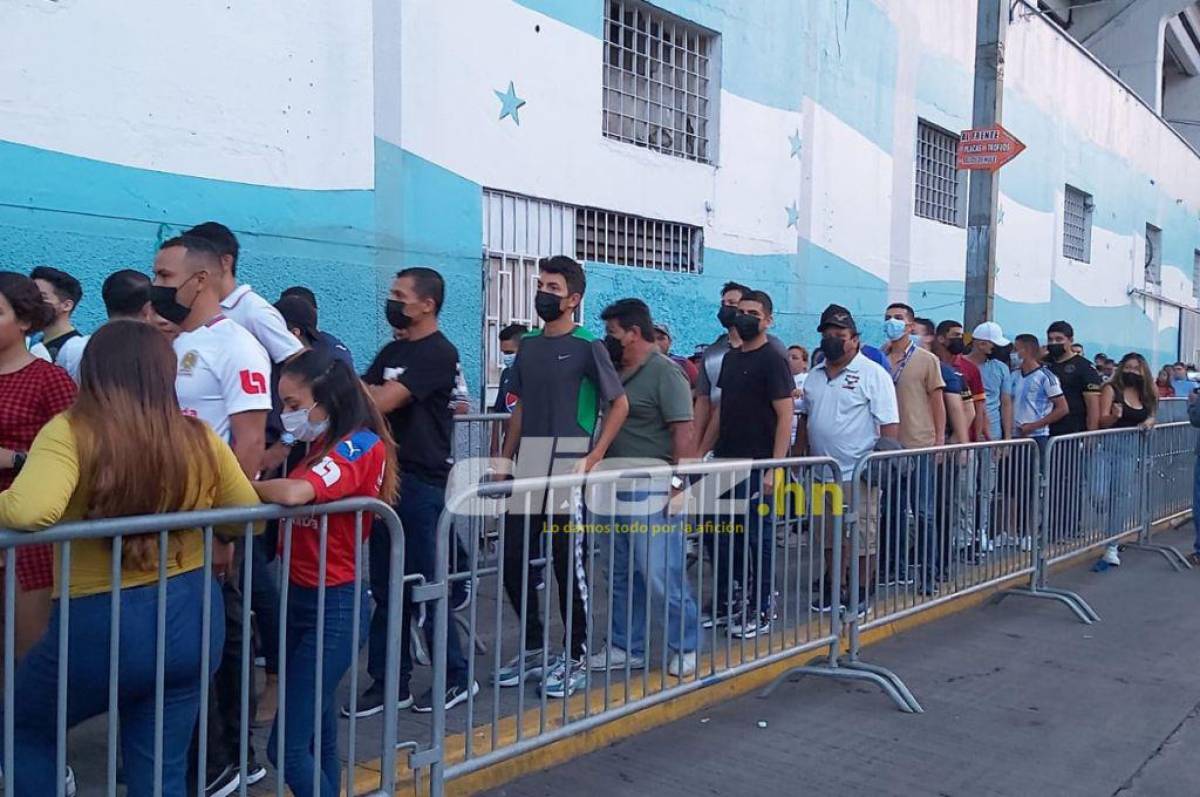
{"type": "Point", "coordinates": [297, 424]}
{"type": "Point", "coordinates": [508, 358]}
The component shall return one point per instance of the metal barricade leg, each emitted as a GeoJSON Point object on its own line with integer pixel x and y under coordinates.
{"type": "Point", "coordinates": [841, 526]}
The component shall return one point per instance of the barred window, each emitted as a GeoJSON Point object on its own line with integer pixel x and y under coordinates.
{"type": "Point", "coordinates": [625, 240]}
{"type": "Point", "coordinates": [1077, 225]}
{"type": "Point", "coordinates": [940, 189]}
{"type": "Point", "coordinates": [1153, 255]}
{"type": "Point", "coordinates": [658, 86]}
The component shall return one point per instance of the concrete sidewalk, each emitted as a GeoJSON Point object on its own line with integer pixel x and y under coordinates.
{"type": "Point", "coordinates": [1020, 699]}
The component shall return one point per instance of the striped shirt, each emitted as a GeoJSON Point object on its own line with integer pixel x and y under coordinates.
{"type": "Point", "coordinates": [1033, 397]}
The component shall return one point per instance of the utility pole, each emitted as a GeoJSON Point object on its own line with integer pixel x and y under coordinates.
{"type": "Point", "coordinates": [983, 195]}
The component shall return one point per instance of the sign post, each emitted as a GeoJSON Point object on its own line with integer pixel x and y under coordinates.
{"type": "Point", "coordinates": [991, 24]}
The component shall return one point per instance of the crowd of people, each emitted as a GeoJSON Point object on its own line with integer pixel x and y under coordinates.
{"type": "Point", "coordinates": [200, 393]}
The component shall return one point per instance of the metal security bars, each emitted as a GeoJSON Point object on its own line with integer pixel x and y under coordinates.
{"type": "Point", "coordinates": [658, 89]}
{"type": "Point", "coordinates": [1077, 224]}
{"type": "Point", "coordinates": [517, 231]}
{"type": "Point", "coordinates": [621, 239]}
{"type": "Point", "coordinates": [938, 187]}
{"type": "Point", "coordinates": [1153, 255]}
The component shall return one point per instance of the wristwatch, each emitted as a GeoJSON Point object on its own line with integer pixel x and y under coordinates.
{"type": "Point", "coordinates": [19, 458]}
{"type": "Point", "coordinates": [288, 439]}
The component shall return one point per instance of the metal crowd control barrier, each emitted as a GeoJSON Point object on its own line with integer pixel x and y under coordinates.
{"type": "Point", "coordinates": [933, 524]}
{"type": "Point", "coordinates": [1098, 489]}
{"type": "Point", "coordinates": [627, 614]}
{"type": "Point", "coordinates": [106, 536]}
{"type": "Point", "coordinates": [1172, 410]}
{"type": "Point", "coordinates": [1172, 459]}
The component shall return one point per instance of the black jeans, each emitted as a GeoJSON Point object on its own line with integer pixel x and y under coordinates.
{"type": "Point", "coordinates": [566, 545]}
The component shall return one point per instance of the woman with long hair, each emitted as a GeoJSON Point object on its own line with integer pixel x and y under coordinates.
{"type": "Point", "coordinates": [1128, 401]}
{"type": "Point", "coordinates": [351, 454]}
{"type": "Point", "coordinates": [123, 449]}
{"type": "Point", "coordinates": [33, 392]}
{"type": "Point", "coordinates": [1162, 383]}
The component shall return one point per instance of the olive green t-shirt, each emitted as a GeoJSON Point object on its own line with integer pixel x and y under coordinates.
{"type": "Point", "coordinates": [659, 395]}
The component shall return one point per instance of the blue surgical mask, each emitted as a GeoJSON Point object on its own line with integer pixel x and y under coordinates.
{"type": "Point", "coordinates": [508, 358]}
{"type": "Point", "coordinates": [916, 340]}
{"type": "Point", "coordinates": [894, 328]}
{"type": "Point", "coordinates": [297, 424]}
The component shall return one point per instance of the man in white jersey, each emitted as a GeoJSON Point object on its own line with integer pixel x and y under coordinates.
{"type": "Point", "coordinates": [241, 303]}
{"type": "Point", "coordinates": [223, 379]}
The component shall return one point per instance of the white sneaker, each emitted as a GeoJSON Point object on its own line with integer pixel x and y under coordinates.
{"type": "Point", "coordinates": [682, 664]}
{"type": "Point", "coordinates": [1111, 556]}
{"type": "Point", "coordinates": [613, 658]}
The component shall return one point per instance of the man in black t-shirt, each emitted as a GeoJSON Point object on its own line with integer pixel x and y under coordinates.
{"type": "Point", "coordinates": [1081, 388]}
{"type": "Point", "coordinates": [1078, 378]}
{"type": "Point", "coordinates": [753, 421]}
{"type": "Point", "coordinates": [411, 381]}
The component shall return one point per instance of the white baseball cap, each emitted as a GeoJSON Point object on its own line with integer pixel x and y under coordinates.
{"type": "Point", "coordinates": [990, 331]}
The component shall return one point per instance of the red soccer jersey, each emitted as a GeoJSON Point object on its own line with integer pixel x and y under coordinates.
{"type": "Point", "coordinates": [974, 381]}
{"type": "Point", "coordinates": [354, 468]}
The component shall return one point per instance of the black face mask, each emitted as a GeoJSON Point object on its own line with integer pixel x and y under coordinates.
{"type": "Point", "coordinates": [726, 315]}
{"type": "Point", "coordinates": [834, 349]}
{"type": "Point", "coordinates": [747, 326]}
{"type": "Point", "coordinates": [548, 306]}
{"type": "Point", "coordinates": [394, 311]}
{"type": "Point", "coordinates": [955, 346]}
{"type": "Point", "coordinates": [165, 302]}
{"type": "Point", "coordinates": [615, 350]}
{"type": "Point", "coordinates": [1133, 380]}
{"type": "Point", "coordinates": [1056, 350]}
{"type": "Point", "coordinates": [1001, 353]}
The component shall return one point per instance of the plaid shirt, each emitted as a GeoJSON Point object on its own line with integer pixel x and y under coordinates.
{"type": "Point", "coordinates": [32, 396]}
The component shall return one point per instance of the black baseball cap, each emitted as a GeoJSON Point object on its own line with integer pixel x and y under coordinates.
{"type": "Point", "coordinates": [837, 316]}
{"type": "Point", "coordinates": [298, 314]}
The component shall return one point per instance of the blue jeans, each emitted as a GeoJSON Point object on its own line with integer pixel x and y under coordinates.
{"type": "Point", "coordinates": [1196, 505]}
{"type": "Point", "coordinates": [648, 569]}
{"type": "Point", "coordinates": [420, 505]}
{"type": "Point", "coordinates": [301, 687]}
{"type": "Point", "coordinates": [35, 704]}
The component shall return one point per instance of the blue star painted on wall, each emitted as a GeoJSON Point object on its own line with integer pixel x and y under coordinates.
{"type": "Point", "coordinates": [510, 103]}
{"type": "Point", "coordinates": [793, 214]}
{"type": "Point", "coordinates": [797, 144]}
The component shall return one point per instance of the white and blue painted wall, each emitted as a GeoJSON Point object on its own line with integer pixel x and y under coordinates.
{"type": "Point", "coordinates": [342, 141]}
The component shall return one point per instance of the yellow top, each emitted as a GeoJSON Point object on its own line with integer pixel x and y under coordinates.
{"type": "Point", "coordinates": [50, 489]}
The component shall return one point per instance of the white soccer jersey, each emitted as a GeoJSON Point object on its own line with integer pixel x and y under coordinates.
{"type": "Point", "coordinates": [222, 371]}
{"type": "Point", "coordinates": [263, 321]}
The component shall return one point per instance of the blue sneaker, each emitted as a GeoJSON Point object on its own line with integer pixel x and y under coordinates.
{"type": "Point", "coordinates": [564, 679]}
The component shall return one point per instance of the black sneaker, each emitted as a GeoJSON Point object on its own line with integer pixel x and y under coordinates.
{"type": "Point", "coordinates": [454, 696]}
{"type": "Point", "coordinates": [229, 780]}
{"type": "Point", "coordinates": [370, 702]}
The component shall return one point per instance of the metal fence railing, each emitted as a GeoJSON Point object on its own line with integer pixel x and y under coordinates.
{"type": "Point", "coordinates": [1172, 410]}
{"type": "Point", "coordinates": [99, 654]}
{"type": "Point", "coordinates": [628, 624]}
{"type": "Point", "coordinates": [582, 598]}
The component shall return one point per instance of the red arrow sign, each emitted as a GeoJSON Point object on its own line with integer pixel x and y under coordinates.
{"type": "Point", "coordinates": [987, 148]}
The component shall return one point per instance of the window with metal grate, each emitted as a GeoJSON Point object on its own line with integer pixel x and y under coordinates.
{"type": "Point", "coordinates": [659, 81]}
{"type": "Point", "coordinates": [939, 187]}
{"type": "Point", "coordinates": [1077, 224]}
{"type": "Point", "coordinates": [1153, 255]}
{"type": "Point", "coordinates": [621, 239]}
